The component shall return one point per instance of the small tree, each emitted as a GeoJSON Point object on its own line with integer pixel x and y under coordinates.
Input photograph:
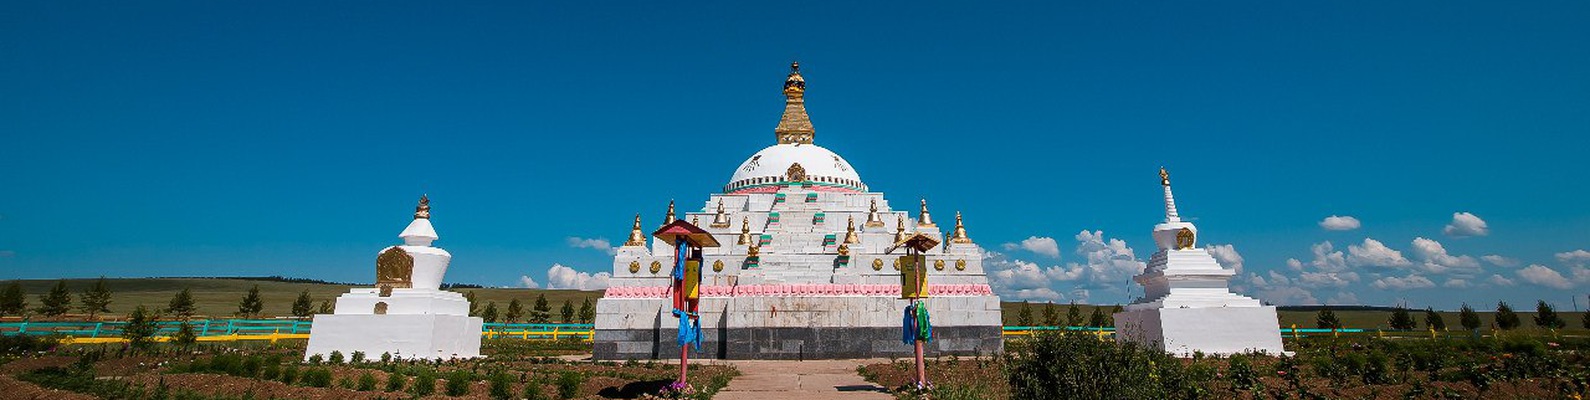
{"type": "Point", "coordinates": [1469, 319]}
{"type": "Point", "coordinates": [515, 311]}
{"type": "Point", "coordinates": [325, 307]}
{"type": "Point", "coordinates": [1506, 319]}
{"type": "Point", "coordinates": [490, 313]}
{"type": "Point", "coordinates": [1326, 319]}
{"type": "Point", "coordinates": [1433, 320]}
{"type": "Point", "coordinates": [474, 307]}
{"type": "Point", "coordinates": [185, 335]}
{"type": "Point", "coordinates": [587, 313]}
{"type": "Point", "coordinates": [1546, 316]}
{"type": "Point", "coordinates": [1024, 314]}
{"type": "Point", "coordinates": [1097, 319]}
{"type": "Point", "coordinates": [13, 301]}
{"type": "Point", "coordinates": [303, 307]}
{"type": "Point", "coordinates": [57, 302]}
{"type": "Point", "coordinates": [1400, 319]}
{"type": "Point", "coordinates": [96, 300]}
{"type": "Point", "coordinates": [1051, 315]}
{"type": "Point", "coordinates": [567, 311]}
{"type": "Point", "coordinates": [541, 313]}
{"type": "Point", "coordinates": [1074, 315]}
{"type": "Point", "coordinates": [181, 304]}
{"type": "Point", "coordinates": [251, 305]}
{"type": "Point", "coordinates": [141, 327]}
{"type": "Point", "coordinates": [1586, 320]}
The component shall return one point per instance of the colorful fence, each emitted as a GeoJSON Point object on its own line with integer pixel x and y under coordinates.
{"type": "Point", "coordinates": [262, 329]}
{"type": "Point", "coordinates": [1292, 333]}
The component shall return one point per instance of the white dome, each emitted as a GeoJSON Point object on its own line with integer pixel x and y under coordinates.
{"type": "Point", "coordinates": [773, 163]}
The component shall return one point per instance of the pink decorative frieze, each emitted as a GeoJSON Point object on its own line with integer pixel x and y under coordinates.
{"type": "Point", "coordinates": [800, 290]}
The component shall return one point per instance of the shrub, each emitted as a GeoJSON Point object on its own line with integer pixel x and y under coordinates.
{"type": "Point", "coordinates": [336, 357]}
{"type": "Point", "coordinates": [501, 385]}
{"type": "Point", "coordinates": [458, 382]}
{"type": "Point", "coordinates": [289, 375]}
{"type": "Point", "coordinates": [316, 359]}
{"type": "Point", "coordinates": [317, 377]}
{"type": "Point", "coordinates": [1136, 371]}
{"type": "Point", "coordinates": [532, 391]}
{"type": "Point", "coordinates": [569, 384]}
{"type": "Point", "coordinates": [386, 357]}
{"type": "Point", "coordinates": [250, 367]}
{"type": "Point", "coordinates": [424, 383]}
{"type": "Point", "coordinates": [271, 371]}
{"type": "Point", "coordinates": [366, 381]}
{"type": "Point", "coordinates": [357, 357]}
{"type": "Point", "coordinates": [1506, 318]}
{"type": "Point", "coordinates": [1241, 372]}
{"type": "Point", "coordinates": [395, 382]}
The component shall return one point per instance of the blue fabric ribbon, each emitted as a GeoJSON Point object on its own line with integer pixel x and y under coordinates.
{"type": "Point", "coordinates": [689, 329]}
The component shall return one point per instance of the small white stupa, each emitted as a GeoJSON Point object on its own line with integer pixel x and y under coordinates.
{"type": "Point", "coordinates": [1187, 305]}
{"type": "Point", "coordinates": [406, 314]}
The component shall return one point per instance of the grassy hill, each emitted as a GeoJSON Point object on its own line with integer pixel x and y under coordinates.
{"type": "Point", "coordinates": [219, 297]}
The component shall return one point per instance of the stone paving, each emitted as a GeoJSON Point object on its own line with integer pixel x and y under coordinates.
{"type": "Point", "coordinates": [816, 380]}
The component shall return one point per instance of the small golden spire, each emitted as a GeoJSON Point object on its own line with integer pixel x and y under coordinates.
{"type": "Point", "coordinates": [636, 237]}
{"type": "Point", "coordinates": [923, 218]}
{"type": "Point", "coordinates": [754, 251]}
{"type": "Point", "coordinates": [872, 216]}
{"type": "Point", "coordinates": [669, 219]}
{"type": "Point", "coordinates": [899, 229]}
{"type": "Point", "coordinates": [745, 230]}
{"type": "Point", "coordinates": [960, 231]}
{"type": "Point", "coordinates": [1164, 177]}
{"type": "Point", "coordinates": [844, 249]}
{"type": "Point", "coordinates": [423, 211]}
{"type": "Point", "coordinates": [722, 219]}
{"type": "Point", "coordinates": [795, 127]}
{"type": "Point", "coordinates": [850, 231]}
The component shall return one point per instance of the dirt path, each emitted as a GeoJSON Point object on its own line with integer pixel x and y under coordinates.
{"type": "Point", "coordinates": [815, 380]}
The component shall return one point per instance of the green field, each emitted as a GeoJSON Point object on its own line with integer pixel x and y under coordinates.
{"type": "Point", "coordinates": [1362, 319]}
{"type": "Point", "coordinates": [218, 297]}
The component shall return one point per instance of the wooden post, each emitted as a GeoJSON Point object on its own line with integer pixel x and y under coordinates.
{"type": "Point", "coordinates": [684, 361]}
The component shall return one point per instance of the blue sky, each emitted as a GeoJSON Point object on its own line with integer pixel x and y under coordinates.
{"type": "Point", "coordinates": [245, 138]}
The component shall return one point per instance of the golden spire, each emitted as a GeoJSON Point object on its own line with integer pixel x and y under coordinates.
{"type": "Point", "coordinates": [722, 219]}
{"type": "Point", "coordinates": [754, 251]}
{"type": "Point", "coordinates": [844, 249]}
{"type": "Point", "coordinates": [423, 211]}
{"type": "Point", "coordinates": [795, 127]}
{"type": "Point", "coordinates": [1164, 177]}
{"type": "Point", "coordinates": [1170, 201]}
{"type": "Point", "coordinates": [872, 215]}
{"type": "Point", "coordinates": [899, 229]}
{"type": "Point", "coordinates": [669, 219]}
{"type": "Point", "coordinates": [850, 231]}
{"type": "Point", "coordinates": [924, 219]}
{"type": "Point", "coordinates": [745, 230]}
{"type": "Point", "coordinates": [636, 237]}
{"type": "Point", "coordinates": [960, 231]}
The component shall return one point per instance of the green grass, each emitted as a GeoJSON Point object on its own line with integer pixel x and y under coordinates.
{"type": "Point", "coordinates": [1362, 319]}
{"type": "Point", "coordinates": [219, 297]}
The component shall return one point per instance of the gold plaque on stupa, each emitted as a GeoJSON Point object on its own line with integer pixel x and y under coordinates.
{"type": "Point", "coordinates": [394, 268]}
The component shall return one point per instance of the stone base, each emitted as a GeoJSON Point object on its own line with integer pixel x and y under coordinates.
{"type": "Point", "coordinates": [414, 336]}
{"type": "Point", "coordinates": [1213, 331]}
{"type": "Point", "coordinates": [794, 343]}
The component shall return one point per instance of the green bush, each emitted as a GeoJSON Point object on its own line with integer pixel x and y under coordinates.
{"type": "Point", "coordinates": [316, 377]}
{"type": "Point", "coordinates": [395, 382]}
{"type": "Point", "coordinates": [336, 357]}
{"type": "Point", "coordinates": [316, 359]}
{"type": "Point", "coordinates": [366, 382]}
{"type": "Point", "coordinates": [356, 357]}
{"type": "Point", "coordinates": [569, 384]}
{"type": "Point", "coordinates": [424, 383]}
{"type": "Point", "coordinates": [250, 367]}
{"type": "Point", "coordinates": [501, 386]}
{"type": "Point", "coordinates": [458, 382]}
{"type": "Point", "coordinates": [1136, 372]}
{"type": "Point", "coordinates": [289, 374]}
{"type": "Point", "coordinates": [532, 391]}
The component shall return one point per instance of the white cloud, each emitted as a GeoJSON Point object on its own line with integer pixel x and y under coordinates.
{"type": "Point", "coordinates": [1109, 265]}
{"type": "Point", "coordinates": [1372, 253]}
{"type": "Point", "coordinates": [1499, 280]}
{"type": "Point", "coordinates": [561, 277]}
{"type": "Point", "coordinates": [1110, 262]}
{"type": "Point", "coordinates": [1287, 296]}
{"type": "Point", "coordinates": [1227, 256]}
{"type": "Point", "coordinates": [1500, 261]}
{"type": "Point", "coordinates": [1326, 258]}
{"type": "Point", "coordinates": [1466, 224]}
{"type": "Point", "coordinates": [1339, 223]}
{"type": "Point", "coordinates": [1540, 275]}
{"type": "Point", "coordinates": [1039, 245]}
{"type": "Point", "coordinates": [1437, 261]}
{"type": "Point", "coordinates": [1577, 257]}
{"type": "Point", "coordinates": [527, 282]}
{"type": "Point", "coordinates": [599, 244]}
{"type": "Point", "coordinates": [1343, 298]}
{"type": "Point", "coordinates": [1326, 279]}
{"type": "Point", "coordinates": [1457, 283]}
{"type": "Point", "coordinates": [1015, 275]}
{"type": "Point", "coordinates": [1410, 282]}
{"type": "Point", "coordinates": [1039, 294]}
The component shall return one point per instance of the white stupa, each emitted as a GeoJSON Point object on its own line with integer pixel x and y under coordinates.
{"type": "Point", "coordinates": [406, 314]}
{"type": "Point", "coordinates": [1186, 305]}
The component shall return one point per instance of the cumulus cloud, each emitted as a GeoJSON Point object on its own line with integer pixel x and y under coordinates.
{"type": "Point", "coordinates": [527, 282]}
{"type": "Point", "coordinates": [1039, 245]}
{"type": "Point", "coordinates": [1343, 298]}
{"type": "Point", "coordinates": [1577, 257]}
{"type": "Point", "coordinates": [1110, 262]}
{"type": "Point", "coordinates": [1106, 264]}
{"type": "Point", "coordinates": [1326, 279]}
{"type": "Point", "coordinates": [1372, 253]}
{"type": "Point", "coordinates": [1227, 256]}
{"type": "Point", "coordinates": [1466, 224]}
{"type": "Point", "coordinates": [1499, 280]}
{"type": "Point", "coordinates": [1326, 259]}
{"type": "Point", "coordinates": [1457, 283]}
{"type": "Point", "coordinates": [599, 244]}
{"type": "Point", "coordinates": [1435, 259]}
{"type": "Point", "coordinates": [1540, 275]}
{"type": "Point", "coordinates": [1339, 223]}
{"type": "Point", "coordinates": [1501, 261]}
{"type": "Point", "coordinates": [1402, 283]}
{"type": "Point", "coordinates": [1287, 296]}
{"type": "Point", "coordinates": [561, 277]}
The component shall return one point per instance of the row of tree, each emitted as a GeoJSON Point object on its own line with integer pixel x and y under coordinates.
{"type": "Point", "coordinates": [56, 302]}
{"type": "Point", "coordinates": [1051, 316]}
{"type": "Point", "coordinates": [1506, 319]}
{"type": "Point", "coordinates": [540, 312]}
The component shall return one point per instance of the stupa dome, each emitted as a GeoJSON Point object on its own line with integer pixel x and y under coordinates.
{"type": "Point", "coordinates": [776, 164]}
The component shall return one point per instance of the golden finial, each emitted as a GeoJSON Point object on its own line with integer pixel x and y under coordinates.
{"type": "Point", "coordinates": [636, 237]}
{"type": "Point", "coordinates": [745, 230]}
{"type": "Point", "coordinates": [923, 218]}
{"type": "Point", "coordinates": [1164, 177]}
{"type": "Point", "coordinates": [423, 211]}
{"type": "Point", "coordinates": [872, 215]}
{"type": "Point", "coordinates": [795, 127]}
{"type": "Point", "coordinates": [850, 231]}
{"type": "Point", "coordinates": [844, 249]}
{"type": "Point", "coordinates": [899, 229]}
{"type": "Point", "coordinates": [754, 251]}
{"type": "Point", "coordinates": [722, 219]}
{"type": "Point", "coordinates": [960, 231]}
{"type": "Point", "coordinates": [669, 219]}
